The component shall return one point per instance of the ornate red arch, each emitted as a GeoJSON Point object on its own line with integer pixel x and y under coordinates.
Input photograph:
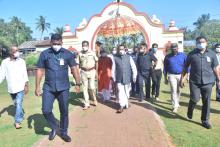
{"type": "Point", "coordinates": [136, 23]}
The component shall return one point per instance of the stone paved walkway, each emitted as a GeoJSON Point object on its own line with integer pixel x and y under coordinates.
{"type": "Point", "coordinates": [101, 126]}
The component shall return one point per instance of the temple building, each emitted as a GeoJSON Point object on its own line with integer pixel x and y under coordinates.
{"type": "Point", "coordinates": [127, 18]}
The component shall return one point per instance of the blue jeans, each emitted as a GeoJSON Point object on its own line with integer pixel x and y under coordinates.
{"type": "Point", "coordinates": [18, 99]}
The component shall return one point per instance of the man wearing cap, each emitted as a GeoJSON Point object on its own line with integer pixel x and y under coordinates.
{"type": "Point", "coordinates": [173, 67]}
{"type": "Point", "coordinates": [204, 67]}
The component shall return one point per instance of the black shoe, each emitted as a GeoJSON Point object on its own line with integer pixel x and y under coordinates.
{"type": "Point", "coordinates": [52, 134]}
{"type": "Point", "coordinates": [206, 125]}
{"type": "Point", "coordinates": [189, 115]}
{"type": "Point", "coordinates": [65, 137]}
{"type": "Point", "coordinates": [218, 100]}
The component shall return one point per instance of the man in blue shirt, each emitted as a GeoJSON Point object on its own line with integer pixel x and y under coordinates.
{"type": "Point", "coordinates": [173, 67]}
{"type": "Point", "coordinates": [54, 62]}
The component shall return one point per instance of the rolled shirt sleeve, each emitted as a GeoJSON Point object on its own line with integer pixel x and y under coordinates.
{"type": "Point", "coordinates": [41, 61]}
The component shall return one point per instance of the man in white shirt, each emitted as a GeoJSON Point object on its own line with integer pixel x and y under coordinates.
{"type": "Point", "coordinates": [156, 72]}
{"type": "Point", "coordinates": [13, 69]}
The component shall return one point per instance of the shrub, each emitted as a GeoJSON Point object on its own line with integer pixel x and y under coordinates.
{"type": "Point", "coordinates": [31, 60]}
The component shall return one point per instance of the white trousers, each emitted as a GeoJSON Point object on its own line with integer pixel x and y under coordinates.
{"type": "Point", "coordinates": [175, 89]}
{"type": "Point", "coordinates": [123, 94]}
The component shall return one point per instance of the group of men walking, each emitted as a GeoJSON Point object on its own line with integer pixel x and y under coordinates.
{"type": "Point", "coordinates": [122, 72]}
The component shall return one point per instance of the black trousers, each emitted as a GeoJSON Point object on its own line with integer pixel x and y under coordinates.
{"type": "Point", "coordinates": [141, 80]}
{"type": "Point", "coordinates": [47, 107]}
{"type": "Point", "coordinates": [205, 91]}
{"type": "Point", "coordinates": [156, 78]}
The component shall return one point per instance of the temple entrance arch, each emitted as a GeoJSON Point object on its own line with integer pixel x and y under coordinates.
{"type": "Point", "coordinates": [108, 30]}
{"type": "Point", "coordinates": [151, 27]}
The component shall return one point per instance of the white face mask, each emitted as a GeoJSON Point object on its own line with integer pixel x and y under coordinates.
{"type": "Point", "coordinates": [85, 48]}
{"type": "Point", "coordinates": [141, 50]}
{"type": "Point", "coordinates": [122, 52]}
{"type": "Point", "coordinates": [114, 52]}
{"type": "Point", "coordinates": [56, 47]}
{"type": "Point", "coordinates": [217, 49]}
{"type": "Point", "coordinates": [16, 55]}
{"type": "Point", "coordinates": [201, 46]}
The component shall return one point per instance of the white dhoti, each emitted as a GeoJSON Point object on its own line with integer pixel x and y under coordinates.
{"type": "Point", "coordinates": [123, 94]}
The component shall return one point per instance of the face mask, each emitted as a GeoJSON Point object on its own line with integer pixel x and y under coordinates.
{"type": "Point", "coordinates": [85, 48]}
{"type": "Point", "coordinates": [114, 52]}
{"type": "Point", "coordinates": [141, 50]}
{"type": "Point", "coordinates": [154, 49]}
{"type": "Point", "coordinates": [201, 46]}
{"type": "Point", "coordinates": [56, 47]}
{"type": "Point", "coordinates": [217, 50]}
{"type": "Point", "coordinates": [16, 55]}
{"type": "Point", "coordinates": [122, 52]}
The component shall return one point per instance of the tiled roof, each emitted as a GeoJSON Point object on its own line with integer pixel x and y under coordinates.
{"type": "Point", "coordinates": [28, 44]}
{"type": "Point", "coordinates": [34, 44]}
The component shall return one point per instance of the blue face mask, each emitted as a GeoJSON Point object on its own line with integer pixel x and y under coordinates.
{"type": "Point", "coordinates": [154, 49]}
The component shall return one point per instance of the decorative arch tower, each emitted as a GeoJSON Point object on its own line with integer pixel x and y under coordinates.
{"type": "Point", "coordinates": [153, 30]}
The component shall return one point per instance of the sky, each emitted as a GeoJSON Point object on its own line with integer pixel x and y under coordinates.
{"type": "Point", "coordinates": [61, 12]}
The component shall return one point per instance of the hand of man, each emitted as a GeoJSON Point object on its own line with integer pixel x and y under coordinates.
{"type": "Point", "coordinates": [37, 91]}
{"type": "Point", "coordinates": [26, 89]}
{"type": "Point", "coordinates": [77, 89]}
{"type": "Point", "coordinates": [181, 83]}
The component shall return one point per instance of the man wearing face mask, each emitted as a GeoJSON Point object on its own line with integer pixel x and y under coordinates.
{"type": "Point", "coordinates": [88, 63]}
{"type": "Point", "coordinates": [217, 50]}
{"type": "Point", "coordinates": [14, 70]}
{"type": "Point", "coordinates": [122, 70]}
{"type": "Point", "coordinates": [144, 65]}
{"type": "Point", "coordinates": [204, 67]}
{"type": "Point", "coordinates": [54, 63]}
{"type": "Point", "coordinates": [173, 67]}
{"type": "Point", "coordinates": [156, 73]}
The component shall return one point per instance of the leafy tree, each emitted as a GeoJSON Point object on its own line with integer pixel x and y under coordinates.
{"type": "Point", "coordinates": [59, 30]}
{"type": "Point", "coordinates": [14, 32]}
{"type": "Point", "coordinates": [42, 25]}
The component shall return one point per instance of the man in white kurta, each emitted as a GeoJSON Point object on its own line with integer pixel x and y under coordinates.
{"type": "Point", "coordinates": [124, 71]}
{"type": "Point", "coordinates": [13, 69]}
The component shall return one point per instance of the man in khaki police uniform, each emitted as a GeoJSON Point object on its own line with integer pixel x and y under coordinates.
{"type": "Point", "coordinates": [88, 63]}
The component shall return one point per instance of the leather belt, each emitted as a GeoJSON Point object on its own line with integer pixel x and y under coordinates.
{"type": "Point", "coordinates": [87, 69]}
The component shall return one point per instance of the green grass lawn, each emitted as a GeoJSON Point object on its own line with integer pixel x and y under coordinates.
{"type": "Point", "coordinates": [34, 124]}
{"type": "Point", "coordinates": [183, 132]}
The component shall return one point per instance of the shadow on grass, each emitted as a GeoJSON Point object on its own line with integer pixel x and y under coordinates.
{"type": "Point", "coordinates": [39, 123]}
{"type": "Point", "coordinates": [164, 111]}
{"type": "Point", "coordinates": [75, 99]}
{"type": "Point", "coordinates": [10, 110]}
{"type": "Point", "coordinates": [182, 93]}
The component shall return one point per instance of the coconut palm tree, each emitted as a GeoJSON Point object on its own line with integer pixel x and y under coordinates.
{"type": "Point", "coordinates": [59, 30]}
{"type": "Point", "coordinates": [42, 25]}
